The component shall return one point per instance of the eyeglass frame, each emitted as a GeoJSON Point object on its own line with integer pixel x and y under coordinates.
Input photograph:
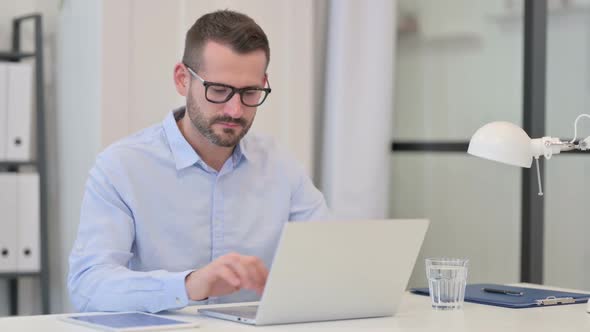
{"type": "Point", "coordinates": [234, 90]}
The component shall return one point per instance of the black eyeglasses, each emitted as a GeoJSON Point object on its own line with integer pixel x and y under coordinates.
{"type": "Point", "coordinates": [219, 93]}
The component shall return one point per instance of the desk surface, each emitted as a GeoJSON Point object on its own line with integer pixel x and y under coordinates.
{"type": "Point", "coordinates": [414, 315]}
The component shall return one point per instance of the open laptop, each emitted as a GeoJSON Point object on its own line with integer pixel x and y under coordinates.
{"type": "Point", "coordinates": [335, 270]}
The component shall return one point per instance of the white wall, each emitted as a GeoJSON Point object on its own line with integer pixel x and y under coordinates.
{"type": "Point", "coordinates": [454, 74]}
{"type": "Point", "coordinates": [138, 59]}
{"type": "Point", "coordinates": [358, 107]}
{"type": "Point", "coordinates": [567, 249]}
{"type": "Point", "coordinates": [453, 79]}
{"type": "Point", "coordinates": [79, 123]}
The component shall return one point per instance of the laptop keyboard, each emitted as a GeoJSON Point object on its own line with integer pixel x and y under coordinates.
{"type": "Point", "coordinates": [245, 311]}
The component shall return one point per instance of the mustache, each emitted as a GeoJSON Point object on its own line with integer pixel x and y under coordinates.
{"type": "Point", "coordinates": [229, 119]}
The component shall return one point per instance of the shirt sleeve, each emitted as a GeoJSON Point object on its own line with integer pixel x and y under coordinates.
{"type": "Point", "coordinates": [99, 278]}
{"type": "Point", "coordinates": [307, 202]}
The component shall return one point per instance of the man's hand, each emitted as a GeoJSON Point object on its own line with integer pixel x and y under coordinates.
{"type": "Point", "coordinates": [225, 275]}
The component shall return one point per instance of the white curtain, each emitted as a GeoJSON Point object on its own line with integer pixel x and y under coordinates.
{"type": "Point", "coordinates": [357, 130]}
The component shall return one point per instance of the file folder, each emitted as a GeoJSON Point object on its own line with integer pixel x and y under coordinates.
{"type": "Point", "coordinates": [531, 297]}
{"type": "Point", "coordinates": [19, 112]}
{"type": "Point", "coordinates": [28, 258]}
{"type": "Point", "coordinates": [3, 110]}
{"type": "Point", "coordinates": [8, 222]}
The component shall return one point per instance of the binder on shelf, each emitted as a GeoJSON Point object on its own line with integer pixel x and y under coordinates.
{"type": "Point", "coordinates": [3, 110]}
{"type": "Point", "coordinates": [19, 112]}
{"type": "Point", "coordinates": [28, 258]}
{"type": "Point", "coordinates": [515, 297]}
{"type": "Point", "coordinates": [8, 222]}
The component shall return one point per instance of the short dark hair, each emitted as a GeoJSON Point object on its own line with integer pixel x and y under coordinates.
{"type": "Point", "coordinates": [226, 27]}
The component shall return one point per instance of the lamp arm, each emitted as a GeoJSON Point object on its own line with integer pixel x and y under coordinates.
{"type": "Point", "coordinates": [548, 146]}
{"type": "Point", "coordinates": [557, 145]}
{"type": "Point", "coordinates": [584, 144]}
{"type": "Point", "coordinates": [576, 126]}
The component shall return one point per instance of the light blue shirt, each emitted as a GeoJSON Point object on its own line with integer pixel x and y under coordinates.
{"type": "Point", "coordinates": [153, 212]}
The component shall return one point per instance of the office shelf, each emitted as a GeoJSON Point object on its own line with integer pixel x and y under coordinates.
{"type": "Point", "coordinates": [13, 275]}
{"type": "Point", "coordinates": [14, 55]}
{"type": "Point", "coordinates": [17, 163]}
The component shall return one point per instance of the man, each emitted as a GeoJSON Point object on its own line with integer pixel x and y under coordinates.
{"type": "Point", "coordinates": [192, 209]}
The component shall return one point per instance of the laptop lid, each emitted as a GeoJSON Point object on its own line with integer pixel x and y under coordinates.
{"type": "Point", "coordinates": [340, 270]}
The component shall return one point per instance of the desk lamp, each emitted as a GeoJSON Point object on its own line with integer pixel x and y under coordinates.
{"type": "Point", "coordinates": [507, 143]}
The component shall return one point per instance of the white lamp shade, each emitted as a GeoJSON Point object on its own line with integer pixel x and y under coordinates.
{"type": "Point", "coordinates": [503, 142]}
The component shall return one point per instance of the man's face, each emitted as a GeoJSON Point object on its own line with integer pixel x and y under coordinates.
{"type": "Point", "coordinates": [225, 124]}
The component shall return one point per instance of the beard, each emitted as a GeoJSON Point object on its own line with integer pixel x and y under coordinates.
{"type": "Point", "coordinates": [229, 137]}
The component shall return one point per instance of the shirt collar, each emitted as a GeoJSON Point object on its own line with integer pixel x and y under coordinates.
{"type": "Point", "coordinates": [239, 152]}
{"type": "Point", "coordinates": [184, 154]}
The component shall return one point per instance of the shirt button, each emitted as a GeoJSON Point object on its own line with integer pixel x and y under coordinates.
{"type": "Point", "coordinates": [177, 300]}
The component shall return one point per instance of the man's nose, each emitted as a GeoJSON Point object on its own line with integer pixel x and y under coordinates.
{"type": "Point", "coordinates": [233, 107]}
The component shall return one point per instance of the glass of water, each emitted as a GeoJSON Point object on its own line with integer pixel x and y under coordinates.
{"type": "Point", "coordinates": [447, 278]}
